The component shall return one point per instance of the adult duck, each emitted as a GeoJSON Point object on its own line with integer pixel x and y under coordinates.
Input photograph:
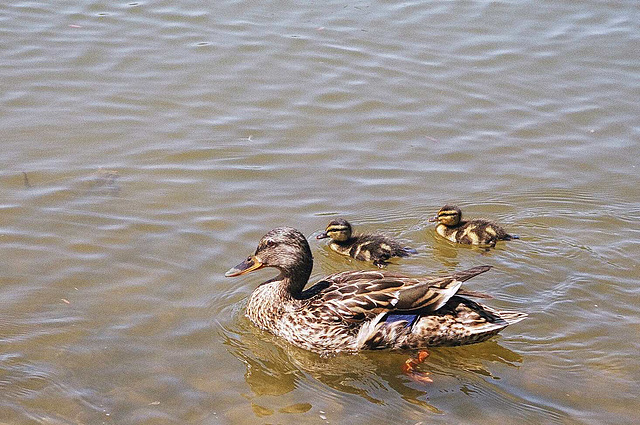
{"type": "Point", "coordinates": [356, 310]}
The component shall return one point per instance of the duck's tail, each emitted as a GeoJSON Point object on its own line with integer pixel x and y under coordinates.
{"type": "Point", "coordinates": [474, 294]}
{"type": "Point", "coordinates": [512, 317]}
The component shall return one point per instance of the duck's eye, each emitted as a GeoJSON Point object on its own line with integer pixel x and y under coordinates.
{"type": "Point", "coordinates": [271, 244]}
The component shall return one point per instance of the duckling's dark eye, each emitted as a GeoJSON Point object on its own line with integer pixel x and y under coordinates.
{"type": "Point", "coordinates": [270, 244]}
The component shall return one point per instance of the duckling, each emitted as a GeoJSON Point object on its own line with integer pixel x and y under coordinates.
{"type": "Point", "coordinates": [475, 232]}
{"type": "Point", "coordinates": [364, 247]}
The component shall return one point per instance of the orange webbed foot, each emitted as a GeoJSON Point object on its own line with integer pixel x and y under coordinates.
{"type": "Point", "coordinates": [409, 368]}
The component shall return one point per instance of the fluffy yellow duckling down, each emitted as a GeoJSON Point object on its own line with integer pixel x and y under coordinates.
{"type": "Point", "coordinates": [365, 247]}
{"type": "Point", "coordinates": [474, 232]}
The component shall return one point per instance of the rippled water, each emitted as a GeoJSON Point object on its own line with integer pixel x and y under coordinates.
{"type": "Point", "coordinates": [147, 146]}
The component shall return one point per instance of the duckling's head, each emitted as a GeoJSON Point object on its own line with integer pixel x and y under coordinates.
{"type": "Point", "coordinates": [284, 248]}
{"type": "Point", "coordinates": [339, 230]}
{"type": "Point", "coordinates": [449, 215]}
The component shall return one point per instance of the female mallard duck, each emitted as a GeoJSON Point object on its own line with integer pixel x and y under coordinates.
{"type": "Point", "coordinates": [474, 232]}
{"type": "Point", "coordinates": [364, 247]}
{"type": "Point", "coordinates": [354, 310]}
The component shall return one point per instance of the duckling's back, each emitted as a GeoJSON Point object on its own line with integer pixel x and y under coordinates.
{"type": "Point", "coordinates": [376, 248]}
{"type": "Point", "coordinates": [474, 232]}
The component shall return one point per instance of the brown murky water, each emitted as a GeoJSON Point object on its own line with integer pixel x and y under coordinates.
{"type": "Point", "coordinates": [161, 140]}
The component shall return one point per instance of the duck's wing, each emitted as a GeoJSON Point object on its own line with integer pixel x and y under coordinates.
{"type": "Point", "coordinates": [356, 296]}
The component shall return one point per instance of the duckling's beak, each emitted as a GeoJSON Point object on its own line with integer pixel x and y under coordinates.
{"type": "Point", "coordinates": [250, 264]}
{"type": "Point", "coordinates": [322, 235]}
{"type": "Point", "coordinates": [434, 218]}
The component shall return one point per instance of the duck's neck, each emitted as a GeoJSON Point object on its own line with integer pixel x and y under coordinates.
{"type": "Point", "coordinates": [271, 298]}
{"type": "Point", "coordinates": [293, 281]}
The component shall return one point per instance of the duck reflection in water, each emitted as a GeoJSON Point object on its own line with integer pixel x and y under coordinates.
{"type": "Point", "coordinates": [276, 368]}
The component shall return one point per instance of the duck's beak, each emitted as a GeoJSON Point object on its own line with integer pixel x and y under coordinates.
{"type": "Point", "coordinates": [434, 218]}
{"type": "Point", "coordinates": [250, 264]}
{"type": "Point", "coordinates": [322, 235]}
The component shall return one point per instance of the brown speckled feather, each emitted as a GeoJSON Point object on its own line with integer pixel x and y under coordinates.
{"type": "Point", "coordinates": [356, 295]}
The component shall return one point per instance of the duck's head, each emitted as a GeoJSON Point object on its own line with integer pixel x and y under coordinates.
{"type": "Point", "coordinates": [284, 248]}
{"type": "Point", "coordinates": [339, 230]}
{"type": "Point", "coordinates": [449, 215]}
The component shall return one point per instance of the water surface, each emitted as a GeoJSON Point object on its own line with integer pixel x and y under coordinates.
{"type": "Point", "coordinates": [147, 146]}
